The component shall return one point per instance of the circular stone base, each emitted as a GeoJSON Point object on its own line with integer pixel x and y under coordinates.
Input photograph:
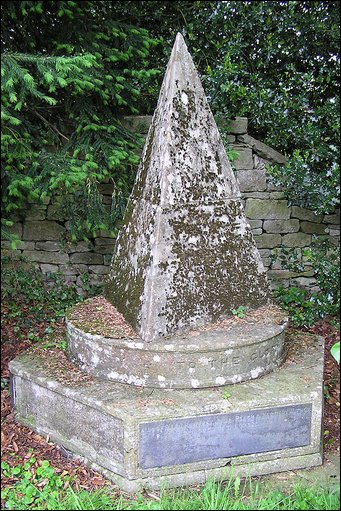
{"type": "Point", "coordinates": [102, 344]}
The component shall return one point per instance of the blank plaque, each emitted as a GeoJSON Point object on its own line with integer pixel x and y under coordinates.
{"type": "Point", "coordinates": [188, 440]}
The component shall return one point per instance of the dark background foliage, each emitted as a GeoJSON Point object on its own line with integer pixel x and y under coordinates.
{"type": "Point", "coordinates": [71, 70]}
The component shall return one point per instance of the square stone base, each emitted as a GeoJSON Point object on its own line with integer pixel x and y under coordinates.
{"type": "Point", "coordinates": [152, 438]}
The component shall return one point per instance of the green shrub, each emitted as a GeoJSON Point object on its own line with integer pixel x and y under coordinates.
{"type": "Point", "coordinates": [32, 300]}
{"type": "Point", "coordinates": [306, 307]}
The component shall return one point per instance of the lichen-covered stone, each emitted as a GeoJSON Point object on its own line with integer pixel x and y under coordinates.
{"type": "Point", "coordinates": [267, 209]}
{"type": "Point", "coordinates": [238, 126]}
{"type": "Point", "coordinates": [262, 149]}
{"type": "Point", "coordinates": [86, 258]}
{"type": "Point", "coordinates": [244, 160]}
{"type": "Point", "coordinates": [81, 246]}
{"type": "Point", "coordinates": [36, 213]}
{"type": "Point", "coordinates": [305, 214]}
{"type": "Point", "coordinates": [46, 257]}
{"type": "Point", "coordinates": [251, 180]}
{"type": "Point", "coordinates": [185, 253]}
{"type": "Point", "coordinates": [49, 268]}
{"type": "Point", "coordinates": [48, 246]}
{"type": "Point", "coordinates": [102, 420]}
{"type": "Point", "coordinates": [267, 240]}
{"type": "Point", "coordinates": [332, 219]}
{"type": "Point", "coordinates": [313, 228]}
{"type": "Point", "coordinates": [99, 268]}
{"type": "Point", "coordinates": [281, 226]}
{"type": "Point", "coordinates": [42, 230]}
{"type": "Point", "coordinates": [296, 239]}
{"type": "Point", "coordinates": [102, 344]}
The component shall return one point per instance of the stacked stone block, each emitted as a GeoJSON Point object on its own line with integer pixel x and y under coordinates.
{"type": "Point", "coordinates": [275, 224]}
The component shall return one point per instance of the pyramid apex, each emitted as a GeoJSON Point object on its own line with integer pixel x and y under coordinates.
{"type": "Point", "coordinates": [179, 39]}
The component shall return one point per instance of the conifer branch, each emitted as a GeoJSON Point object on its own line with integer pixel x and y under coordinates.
{"type": "Point", "coordinates": [56, 130]}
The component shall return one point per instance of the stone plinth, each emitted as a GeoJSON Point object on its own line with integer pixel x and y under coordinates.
{"type": "Point", "coordinates": [151, 438]}
{"type": "Point", "coordinates": [230, 351]}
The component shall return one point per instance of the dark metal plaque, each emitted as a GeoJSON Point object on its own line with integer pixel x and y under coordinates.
{"type": "Point", "coordinates": [178, 441]}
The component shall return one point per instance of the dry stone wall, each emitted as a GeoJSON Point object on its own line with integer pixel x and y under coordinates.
{"type": "Point", "coordinates": [275, 224]}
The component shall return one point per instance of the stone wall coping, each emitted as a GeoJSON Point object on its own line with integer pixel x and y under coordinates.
{"type": "Point", "coordinates": [262, 150]}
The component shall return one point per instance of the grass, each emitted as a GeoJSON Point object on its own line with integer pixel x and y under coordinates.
{"type": "Point", "coordinates": [212, 496]}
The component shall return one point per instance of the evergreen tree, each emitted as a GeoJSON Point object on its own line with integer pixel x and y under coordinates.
{"type": "Point", "coordinates": [69, 71]}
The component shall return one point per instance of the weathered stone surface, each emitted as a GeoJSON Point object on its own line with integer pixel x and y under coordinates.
{"type": "Point", "coordinates": [48, 246]}
{"type": "Point", "coordinates": [251, 180]}
{"type": "Point", "coordinates": [102, 421]}
{"type": "Point", "coordinates": [313, 228]}
{"type": "Point", "coordinates": [255, 223]}
{"type": "Point", "coordinates": [36, 214]}
{"type": "Point", "coordinates": [74, 269]}
{"type": "Point", "coordinates": [297, 239]}
{"type": "Point", "coordinates": [268, 240]}
{"type": "Point", "coordinates": [46, 257]}
{"type": "Point", "coordinates": [305, 214]}
{"type": "Point", "coordinates": [304, 282]}
{"type": "Point", "coordinates": [105, 242]}
{"type": "Point", "coordinates": [81, 246]}
{"type": "Point", "coordinates": [266, 261]}
{"type": "Point", "coordinates": [42, 230]}
{"type": "Point", "coordinates": [99, 268]}
{"type": "Point", "coordinates": [334, 232]}
{"type": "Point", "coordinates": [49, 268]}
{"type": "Point", "coordinates": [277, 195]}
{"type": "Point", "coordinates": [267, 209]}
{"type": "Point", "coordinates": [231, 138]}
{"type": "Point", "coordinates": [287, 274]}
{"type": "Point", "coordinates": [22, 245]}
{"type": "Point", "coordinates": [281, 226]}
{"type": "Point", "coordinates": [107, 258]}
{"type": "Point", "coordinates": [55, 211]}
{"type": "Point", "coordinates": [94, 280]}
{"type": "Point", "coordinates": [332, 219]}
{"type": "Point", "coordinates": [244, 160]}
{"type": "Point", "coordinates": [335, 240]}
{"type": "Point", "coordinates": [265, 252]}
{"type": "Point", "coordinates": [272, 187]}
{"type": "Point", "coordinates": [262, 149]}
{"type": "Point", "coordinates": [185, 253]}
{"type": "Point", "coordinates": [104, 249]}
{"type": "Point", "coordinates": [238, 125]}
{"type": "Point", "coordinates": [86, 258]}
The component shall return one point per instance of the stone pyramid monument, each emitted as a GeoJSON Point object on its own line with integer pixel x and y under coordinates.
{"type": "Point", "coordinates": [185, 255]}
{"type": "Point", "coordinates": [147, 407]}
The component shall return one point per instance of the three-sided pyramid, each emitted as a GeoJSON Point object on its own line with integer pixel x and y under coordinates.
{"type": "Point", "coordinates": [184, 255]}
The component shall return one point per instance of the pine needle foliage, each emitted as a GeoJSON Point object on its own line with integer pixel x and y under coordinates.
{"type": "Point", "coordinates": [70, 71]}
